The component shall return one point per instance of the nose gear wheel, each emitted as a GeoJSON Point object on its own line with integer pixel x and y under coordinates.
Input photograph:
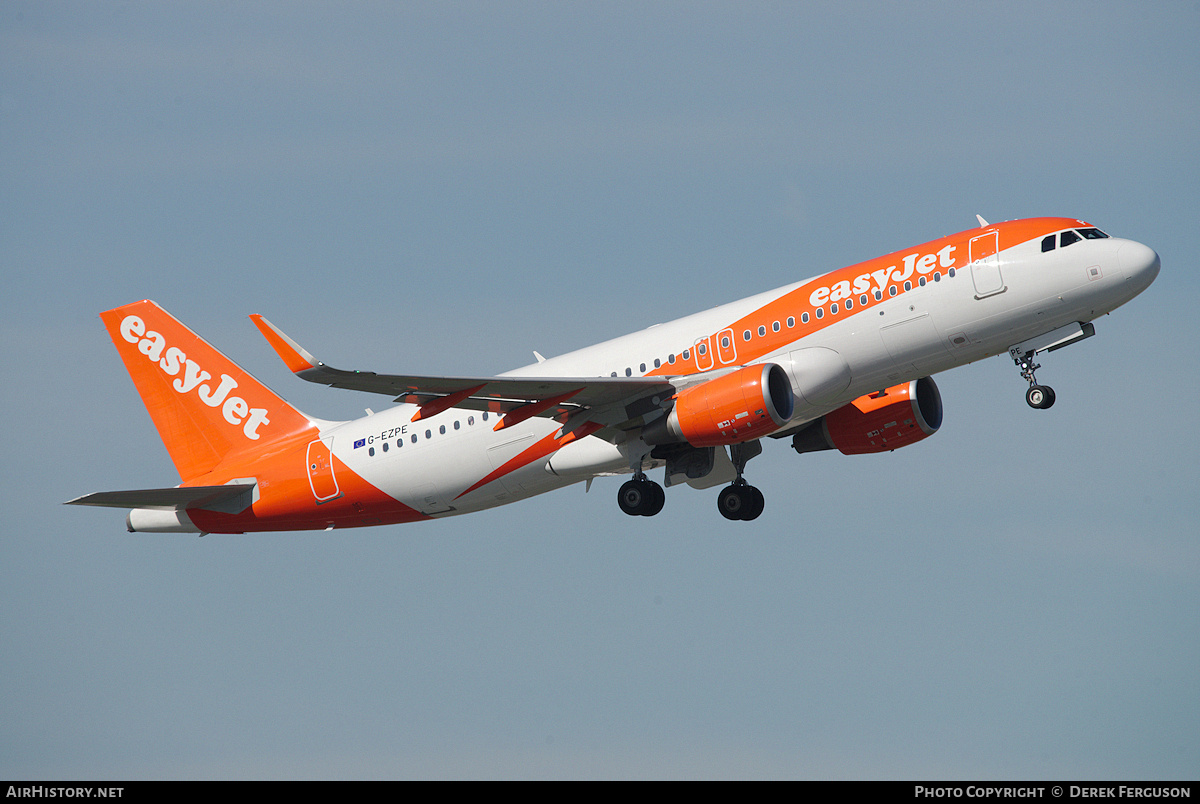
{"type": "Point", "coordinates": [1038, 396]}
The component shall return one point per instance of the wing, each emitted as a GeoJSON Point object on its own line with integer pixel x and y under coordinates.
{"type": "Point", "coordinates": [618, 402]}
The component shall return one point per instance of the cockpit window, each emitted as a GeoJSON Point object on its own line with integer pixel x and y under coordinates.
{"type": "Point", "coordinates": [1048, 243]}
{"type": "Point", "coordinates": [1067, 238]}
{"type": "Point", "coordinates": [1093, 234]}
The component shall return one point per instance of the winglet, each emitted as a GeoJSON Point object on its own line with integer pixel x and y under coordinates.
{"type": "Point", "coordinates": [296, 357]}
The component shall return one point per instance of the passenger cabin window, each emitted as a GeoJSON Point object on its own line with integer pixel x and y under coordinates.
{"type": "Point", "coordinates": [1048, 243]}
{"type": "Point", "coordinates": [1067, 238]}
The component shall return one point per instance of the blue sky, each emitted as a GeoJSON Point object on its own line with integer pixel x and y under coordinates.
{"type": "Point", "coordinates": [445, 187]}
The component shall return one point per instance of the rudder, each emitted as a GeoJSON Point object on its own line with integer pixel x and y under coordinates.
{"type": "Point", "coordinates": [203, 404]}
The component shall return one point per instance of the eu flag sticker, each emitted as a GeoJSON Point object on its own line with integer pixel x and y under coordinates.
{"type": "Point", "coordinates": [362, 442]}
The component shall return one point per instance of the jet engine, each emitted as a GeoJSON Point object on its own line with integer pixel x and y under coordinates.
{"type": "Point", "coordinates": [893, 418]}
{"type": "Point", "coordinates": [749, 403]}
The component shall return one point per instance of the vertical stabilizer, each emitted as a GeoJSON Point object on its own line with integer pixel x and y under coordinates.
{"type": "Point", "coordinates": [204, 405]}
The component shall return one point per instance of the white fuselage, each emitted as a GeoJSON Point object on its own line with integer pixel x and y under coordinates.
{"type": "Point", "coordinates": [971, 310]}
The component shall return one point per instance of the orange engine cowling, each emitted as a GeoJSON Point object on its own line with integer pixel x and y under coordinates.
{"type": "Point", "coordinates": [742, 405]}
{"type": "Point", "coordinates": [896, 417]}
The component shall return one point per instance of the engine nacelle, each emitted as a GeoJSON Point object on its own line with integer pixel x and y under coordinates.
{"type": "Point", "coordinates": [745, 404]}
{"type": "Point", "coordinates": [896, 417]}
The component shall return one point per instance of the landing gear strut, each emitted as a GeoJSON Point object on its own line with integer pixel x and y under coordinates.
{"type": "Point", "coordinates": [641, 496]}
{"type": "Point", "coordinates": [740, 500]}
{"type": "Point", "coordinates": [1042, 396]}
{"type": "Point", "coordinates": [1038, 396]}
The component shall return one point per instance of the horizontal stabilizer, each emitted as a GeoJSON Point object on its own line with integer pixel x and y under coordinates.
{"type": "Point", "coordinates": [210, 497]}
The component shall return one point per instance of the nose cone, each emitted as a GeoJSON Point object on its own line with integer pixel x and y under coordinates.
{"type": "Point", "coordinates": [1140, 263]}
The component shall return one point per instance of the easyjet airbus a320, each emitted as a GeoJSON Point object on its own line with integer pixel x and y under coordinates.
{"type": "Point", "coordinates": [840, 361]}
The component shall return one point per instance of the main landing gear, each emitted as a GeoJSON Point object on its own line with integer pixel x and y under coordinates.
{"type": "Point", "coordinates": [740, 500]}
{"type": "Point", "coordinates": [1038, 396]}
{"type": "Point", "coordinates": [737, 501]}
{"type": "Point", "coordinates": [743, 502]}
{"type": "Point", "coordinates": [641, 496]}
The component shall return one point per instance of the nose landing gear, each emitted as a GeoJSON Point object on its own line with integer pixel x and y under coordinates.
{"type": "Point", "coordinates": [1038, 396]}
{"type": "Point", "coordinates": [1042, 396]}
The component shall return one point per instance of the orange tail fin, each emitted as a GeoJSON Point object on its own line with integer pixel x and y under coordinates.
{"type": "Point", "coordinates": [204, 406]}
